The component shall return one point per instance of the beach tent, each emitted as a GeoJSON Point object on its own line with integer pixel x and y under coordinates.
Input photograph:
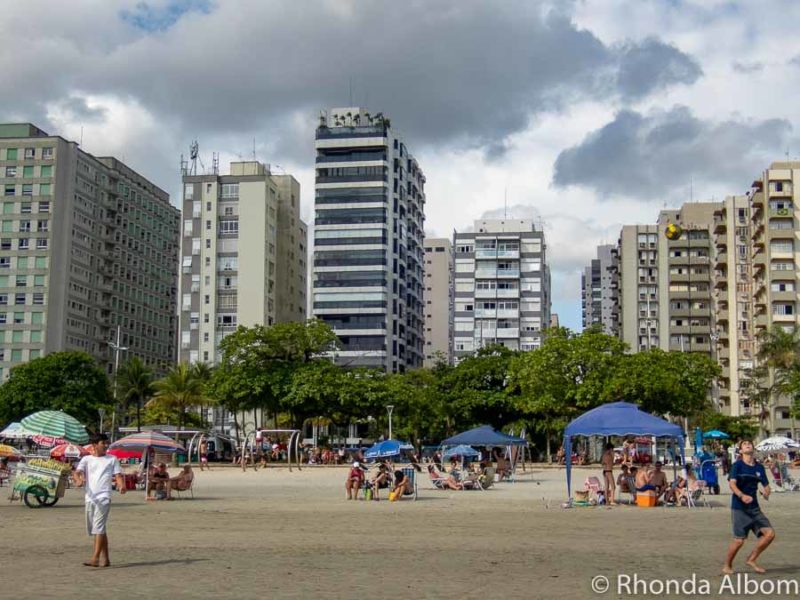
{"type": "Point", "coordinates": [617, 418]}
{"type": "Point", "coordinates": [484, 436]}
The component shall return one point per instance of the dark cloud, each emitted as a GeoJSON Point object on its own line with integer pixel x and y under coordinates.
{"type": "Point", "coordinates": [455, 72]}
{"type": "Point", "coordinates": [650, 156]}
{"type": "Point", "coordinates": [651, 65]}
{"type": "Point", "coordinates": [748, 67]}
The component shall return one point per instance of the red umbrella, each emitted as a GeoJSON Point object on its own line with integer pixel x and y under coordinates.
{"type": "Point", "coordinates": [122, 454]}
{"type": "Point", "coordinates": [63, 451]}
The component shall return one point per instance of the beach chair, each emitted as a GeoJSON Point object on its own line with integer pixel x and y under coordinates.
{"type": "Point", "coordinates": [696, 493]}
{"type": "Point", "coordinates": [593, 486]}
{"type": "Point", "coordinates": [629, 488]}
{"type": "Point", "coordinates": [411, 475]}
{"type": "Point", "coordinates": [186, 488]}
{"type": "Point", "coordinates": [486, 479]}
{"type": "Point", "coordinates": [437, 479]}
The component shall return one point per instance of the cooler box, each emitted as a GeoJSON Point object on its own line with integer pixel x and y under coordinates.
{"type": "Point", "coordinates": [645, 499]}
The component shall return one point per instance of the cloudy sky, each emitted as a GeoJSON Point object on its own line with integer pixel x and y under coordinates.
{"type": "Point", "coordinates": [584, 114]}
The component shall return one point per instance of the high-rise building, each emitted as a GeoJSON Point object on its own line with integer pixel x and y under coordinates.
{"type": "Point", "coordinates": [775, 215]}
{"type": "Point", "coordinates": [438, 301]}
{"type": "Point", "coordinates": [502, 286]}
{"type": "Point", "coordinates": [368, 241]}
{"type": "Point", "coordinates": [88, 245]}
{"type": "Point", "coordinates": [243, 256]}
{"type": "Point", "coordinates": [638, 293]}
{"type": "Point", "coordinates": [598, 290]}
{"type": "Point", "coordinates": [733, 302]}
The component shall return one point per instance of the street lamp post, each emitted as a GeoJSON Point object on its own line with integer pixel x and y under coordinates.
{"type": "Point", "coordinates": [389, 409]}
{"type": "Point", "coordinates": [117, 348]}
{"type": "Point", "coordinates": [102, 412]}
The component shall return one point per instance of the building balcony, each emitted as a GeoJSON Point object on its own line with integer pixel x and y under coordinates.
{"type": "Point", "coordinates": [782, 234]}
{"type": "Point", "coordinates": [779, 318]}
{"type": "Point", "coordinates": [723, 315]}
{"type": "Point", "coordinates": [782, 275]}
{"type": "Point", "coordinates": [508, 332]}
{"type": "Point", "coordinates": [724, 353]}
{"type": "Point", "coordinates": [483, 253]}
{"type": "Point", "coordinates": [508, 313]}
{"type": "Point", "coordinates": [721, 258]}
{"type": "Point", "coordinates": [788, 296]}
{"type": "Point", "coordinates": [507, 273]}
{"type": "Point", "coordinates": [497, 293]}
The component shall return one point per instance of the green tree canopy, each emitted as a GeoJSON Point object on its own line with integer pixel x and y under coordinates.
{"type": "Point", "coordinates": [68, 381]}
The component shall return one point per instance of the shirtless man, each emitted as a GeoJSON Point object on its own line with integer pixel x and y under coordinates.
{"type": "Point", "coordinates": [658, 479]}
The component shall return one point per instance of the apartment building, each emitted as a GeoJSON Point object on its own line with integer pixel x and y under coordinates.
{"type": "Point", "coordinates": [502, 286]}
{"type": "Point", "coordinates": [637, 267]}
{"type": "Point", "coordinates": [734, 301]}
{"type": "Point", "coordinates": [439, 301]}
{"type": "Point", "coordinates": [368, 241]}
{"type": "Point", "coordinates": [599, 291]}
{"type": "Point", "coordinates": [88, 245]}
{"type": "Point", "coordinates": [776, 263]}
{"type": "Point", "coordinates": [243, 256]}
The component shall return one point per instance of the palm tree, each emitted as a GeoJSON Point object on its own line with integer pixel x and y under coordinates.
{"type": "Point", "coordinates": [779, 351]}
{"type": "Point", "coordinates": [179, 390]}
{"type": "Point", "coordinates": [203, 372]}
{"type": "Point", "coordinates": [135, 383]}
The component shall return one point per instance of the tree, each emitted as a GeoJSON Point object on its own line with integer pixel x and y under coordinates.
{"type": "Point", "coordinates": [665, 383]}
{"type": "Point", "coordinates": [567, 375]}
{"type": "Point", "coordinates": [177, 391]}
{"type": "Point", "coordinates": [779, 355]}
{"type": "Point", "coordinates": [68, 381]}
{"type": "Point", "coordinates": [135, 385]}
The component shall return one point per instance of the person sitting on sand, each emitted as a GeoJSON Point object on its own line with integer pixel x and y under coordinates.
{"type": "Point", "coordinates": [502, 464]}
{"type": "Point", "coordinates": [402, 484]}
{"type": "Point", "coordinates": [158, 481]}
{"type": "Point", "coordinates": [181, 482]}
{"type": "Point", "coordinates": [623, 479]}
{"type": "Point", "coordinates": [658, 479]}
{"type": "Point", "coordinates": [642, 480]}
{"type": "Point", "coordinates": [355, 479]}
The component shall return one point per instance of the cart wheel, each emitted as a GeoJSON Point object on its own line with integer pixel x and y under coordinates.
{"type": "Point", "coordinates": [35, 496]}
{"type": "Point", "coordinates": [49, 501]}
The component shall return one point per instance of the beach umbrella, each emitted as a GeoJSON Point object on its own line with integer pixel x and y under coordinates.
{"type": "Point", "coordinates": [55, 424]}
{"type": "Point", "coordinates": [387, 449]}
{"type": "Point", "coordinates": [14, 431]}
{"type": "Point", "coordinates": [715, 434]}
{"type": "Point", "coordinates": [147, 439]}
{"type": "Point", "coordinates": [9, 451]}
{"type": "Point", "coordinates": [68, 451]}
{"type": "Point", "coordinates": [460, 451]}
{"type": "Point", "coordinates": [777, 443]}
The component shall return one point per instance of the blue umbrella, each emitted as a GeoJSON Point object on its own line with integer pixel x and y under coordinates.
{"type": "Point", "coordinates": [461, 451]}
{"type": "Point", "coordinates": [698, 439]}
{"type": "Point", "coordinates": [715, 434]}
{"type": "Point", "coordinates": [387, 449]}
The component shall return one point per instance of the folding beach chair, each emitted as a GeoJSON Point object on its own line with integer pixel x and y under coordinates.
{"type": "Point", "coordinates": [411, 475]}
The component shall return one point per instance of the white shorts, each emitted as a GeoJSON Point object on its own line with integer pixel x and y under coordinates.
{"type": "Point", "coordinates": [96, 517]}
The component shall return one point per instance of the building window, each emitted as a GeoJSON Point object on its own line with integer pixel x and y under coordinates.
{"type": "Point", "coordinates": [19, 299]}
{"type": "Point", "coordinates": [230, 190]}
{"type": "Point", "coordinates": [30, 153]}
{"type": "Point", "coordinates": [27, 172]}
{"type": "Point", "coordinates": [41, 243]}
{"type": "Point", "coordinates": [44, 207]}
{"type": "Point", "coordinates": [24, 244]}
{"type": "Point", "coordinates": [11, 171]}
{"type": "Point", "coordinates": [11, 190]}
{"type": "Point", "coordinates": [25, 208]}
{"type": "Point", "coordinates": [43, 225]}
{"type": "Point", "coordinates": [47, 153]}
{"type": "Point", "coordinates": [228, 227]}
{"type": "Point", "coordinates": [11, 154]}
{"type": "Point", "coordinates": [38, 298]}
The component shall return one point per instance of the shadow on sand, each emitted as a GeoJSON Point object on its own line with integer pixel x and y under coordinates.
{"type": "Point", "coordinates": [156, 563]}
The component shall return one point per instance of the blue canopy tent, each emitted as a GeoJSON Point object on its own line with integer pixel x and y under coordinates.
{"type": "Point", "coordinates": [484, 436]}
{"type": "Point", "coordinates": [617, 418]}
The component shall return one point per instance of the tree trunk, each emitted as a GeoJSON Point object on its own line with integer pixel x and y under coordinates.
{"type": "Point", "coordinates": [138, 414]}
{"type": "Point", "coordinates": [547, 446]}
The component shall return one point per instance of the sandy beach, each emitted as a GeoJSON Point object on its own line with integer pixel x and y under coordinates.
{"type": "Point", "coordinates": [277, 534]}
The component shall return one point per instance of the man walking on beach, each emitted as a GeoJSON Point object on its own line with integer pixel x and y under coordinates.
{"type": "Point", "coordinates": [607, 460]}
{"type": "Point", "coordinates": [743, 479]}
{"type": "Point", "coordinates": [96, 472]}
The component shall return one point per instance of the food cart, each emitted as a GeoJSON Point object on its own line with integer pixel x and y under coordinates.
{"type": "Point", "coordinates": [40, 482]}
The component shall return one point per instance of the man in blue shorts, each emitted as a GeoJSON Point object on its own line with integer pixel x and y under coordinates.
{"type": "Point", "coordinates": [743, 479]}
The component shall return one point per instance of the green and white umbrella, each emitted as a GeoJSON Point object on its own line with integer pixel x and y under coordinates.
{"type": "Point", "coordinates": [55, 424]}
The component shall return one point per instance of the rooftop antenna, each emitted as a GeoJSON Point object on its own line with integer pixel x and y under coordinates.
{"type": "Point", "coordinates": [81, 142]}
{"type": "Point", "coordinates": [194, 152]}
{"type": "Point", "coordinates": [254, 148]}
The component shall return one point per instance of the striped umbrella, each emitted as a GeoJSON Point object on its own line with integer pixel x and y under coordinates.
{"type": "Point", "coordinates": [9, 451]}
{"type": "Point", "coordinates": [147, 439]}
{"type": "Point", "coordinates": [68, 451]}
{"type": "Point", "coordinates": [57, 424]}
{"type": "Point", "coordinates": [14, 431]}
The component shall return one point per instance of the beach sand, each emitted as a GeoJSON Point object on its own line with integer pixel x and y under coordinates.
{"type": "Point", "coordinates": [278, 534]}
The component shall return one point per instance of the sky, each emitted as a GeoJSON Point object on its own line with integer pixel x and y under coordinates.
{"type": "Point", "coordinates": [583, 115]}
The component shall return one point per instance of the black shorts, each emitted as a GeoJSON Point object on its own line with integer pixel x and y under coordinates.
{"type": "Point", "coordinates": [745, 521]}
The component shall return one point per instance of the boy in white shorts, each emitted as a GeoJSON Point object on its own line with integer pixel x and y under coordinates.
{"type": "Point", "coordinates": [96, 472]}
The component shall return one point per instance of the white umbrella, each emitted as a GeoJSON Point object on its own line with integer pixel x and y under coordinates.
{"type": "Point", "coordinates": [777, 443]}
{"type": "Point", "coordinates": [15, 431]}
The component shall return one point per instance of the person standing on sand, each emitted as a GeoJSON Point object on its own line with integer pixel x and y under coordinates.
{"type": "Point", "coordinates": [746, 515]}
{"type": "Point", "coordinates": [607, 460]}
{"type": "Point", "coordinates": [96, 472]}
{"type": "Point", "coordinates": [204, 456]}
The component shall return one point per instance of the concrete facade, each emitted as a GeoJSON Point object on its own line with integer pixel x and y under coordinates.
{"type": "Point", "coordinates": [87, 245]}
{"type": "Point", "coordinates": [368, 241]}
{"type": "Point", "coordinates": [238, 267]}
{"type": "Point", "coordinates": [599, 292]}
{"type": "Point", "coordinates": [502, 286]}
{"type": "Point", "coordinates": [439, 301]}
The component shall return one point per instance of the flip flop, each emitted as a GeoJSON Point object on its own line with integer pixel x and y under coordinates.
{"type": "Point", "coordinates": [90, 564]}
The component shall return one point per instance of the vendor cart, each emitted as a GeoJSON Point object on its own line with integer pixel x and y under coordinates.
{"type": "Point", "coordinates": [39, 483]}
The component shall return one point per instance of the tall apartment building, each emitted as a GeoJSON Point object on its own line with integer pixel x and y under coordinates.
{"type": "Point", "coordinates": [733, 301]}
{"type": "Point", "coordinates": [502, 286]}
{"type": "Point", "coordinates": [87, 245]}
{"type": "Point", "coordinates": [598, 290]}
{"type": "Point", "coordinates": [243, 256]}
{"type": "Point", "coordinates": [368, 241]}
{"type": "Point", "coordinates": [439, 300]}
{"type": "Point", "coordinates": [665, 285]}
{"type": "Point", "coordinates": [776, 263]}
